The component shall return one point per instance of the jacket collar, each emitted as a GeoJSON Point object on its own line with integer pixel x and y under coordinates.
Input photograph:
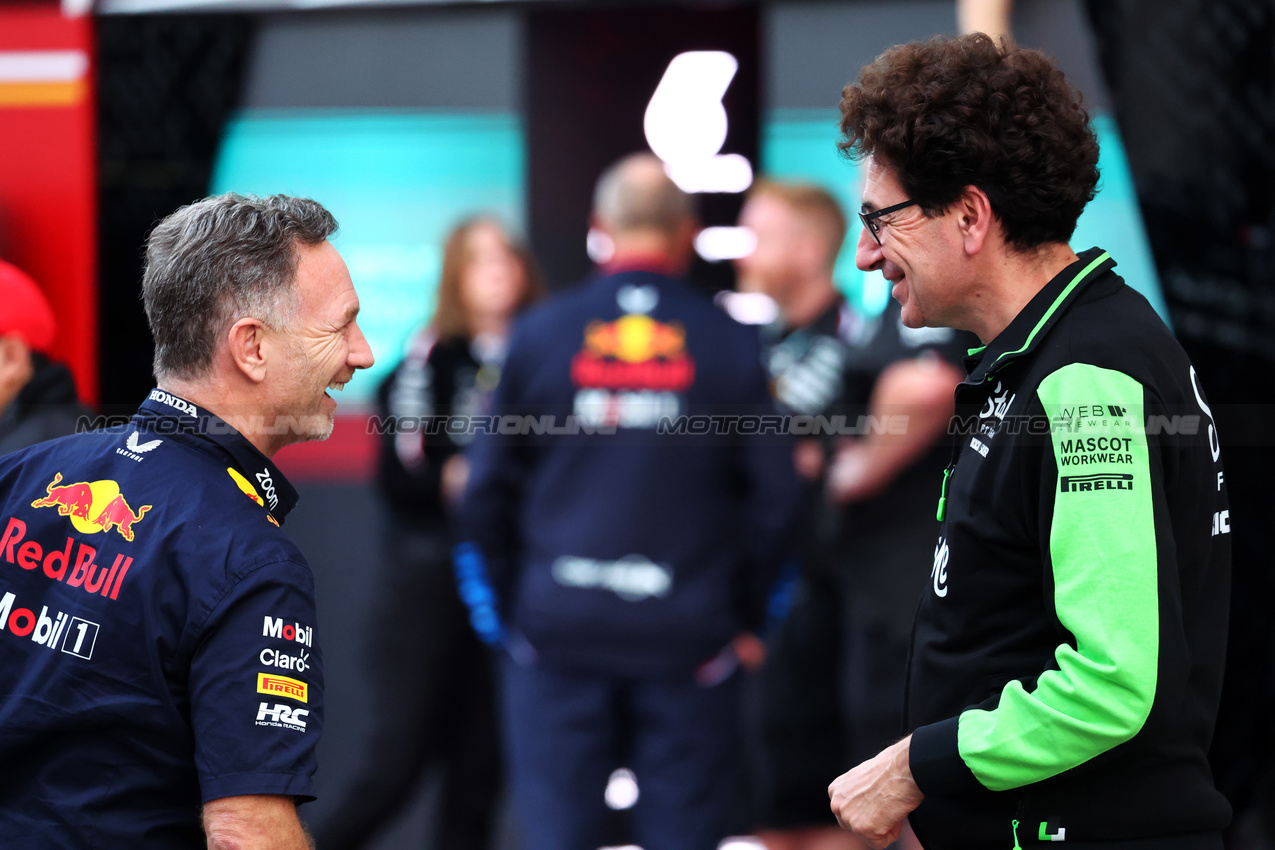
{"type": "Point", "coordinates": [188, 423]}
{"type": "Point", "coordinates": [1033, 322]}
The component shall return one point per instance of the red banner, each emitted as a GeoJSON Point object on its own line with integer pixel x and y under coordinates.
{"type": "Point", "coordinates": [48, 186]}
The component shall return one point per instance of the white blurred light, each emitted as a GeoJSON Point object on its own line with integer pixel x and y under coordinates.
{"type": "Point", "coordinates": [601, 247]}
{"type": "Point", "coordinates": [76, 8]}
{"type": "Point", "coordinates": [725, 243]}
{"type": "Point", "coordinates": [748, 308]}
{"type": "Point", "coordinates": [622, 790]}
{"type": "Point", "coordinates": [42, 66]}
{"type": "Point", "coordinates": [741, 842]}
{"type": "Point", "coordinates": [685, 120]}
{"type": "Point", "coordinates": [722, 173]}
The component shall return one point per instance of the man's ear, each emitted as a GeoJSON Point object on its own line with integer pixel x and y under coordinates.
{"type": "Point", "coordinates": [974, 218]}
{"type": "Point", "coordinates": [246, 345]}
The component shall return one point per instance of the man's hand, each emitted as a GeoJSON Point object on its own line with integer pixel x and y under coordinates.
{"type": "Point", "coordinates": [255, 822]}
{"type": "Point", "coordinates": [873, 799]}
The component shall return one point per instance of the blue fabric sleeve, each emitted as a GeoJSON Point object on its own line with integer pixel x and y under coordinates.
{"type": "Point", "coordinates": [256, 687]}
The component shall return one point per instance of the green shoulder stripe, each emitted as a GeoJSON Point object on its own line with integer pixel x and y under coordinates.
{"type": "Point", "coordinates": [1053, 308]}
{"type": "Point", "coordinates": [1102, 549]}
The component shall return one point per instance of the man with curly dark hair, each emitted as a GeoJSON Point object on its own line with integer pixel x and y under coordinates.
{"type": "Point", "coordinates": [1067, 657]}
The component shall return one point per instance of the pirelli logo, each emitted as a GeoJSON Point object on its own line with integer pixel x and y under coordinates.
{"type": "Point", "coordinates": [269, 683]}
{"type": "Point", "coordinates": [1090, 483]}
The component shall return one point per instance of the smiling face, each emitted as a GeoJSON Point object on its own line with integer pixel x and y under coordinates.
{"type": "Point", "coordinates": [324, 346]}
{"type": "Point", "coordinates": [922, 257]}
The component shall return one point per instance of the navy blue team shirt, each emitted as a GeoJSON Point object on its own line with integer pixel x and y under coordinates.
{"type": "Point", "coordinates": [644, 542]}
{"type": "Point", "coordinates": [157, 633]}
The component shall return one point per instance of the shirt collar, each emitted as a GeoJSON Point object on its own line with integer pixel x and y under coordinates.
{"type": "Point", "coordinates": [172, 416]}
{"type": "Point", "coordinates": [1034, 321]}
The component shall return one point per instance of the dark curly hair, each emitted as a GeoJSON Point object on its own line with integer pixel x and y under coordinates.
{"type": "Point", "coordinates": [957, 112]}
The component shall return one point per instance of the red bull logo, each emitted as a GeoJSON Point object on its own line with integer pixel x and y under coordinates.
{"type": "Point", "coordinates": [59, 564]}
{"type": "Point", "coordinates": [634, 352]}
{"type": "Point", "coordinates": [93, 506]}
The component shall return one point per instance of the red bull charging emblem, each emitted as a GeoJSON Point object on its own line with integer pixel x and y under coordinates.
{"type": "Point", "coordinates": [92, 506]}
{"type": "Point", "coordinates": [635, 352]}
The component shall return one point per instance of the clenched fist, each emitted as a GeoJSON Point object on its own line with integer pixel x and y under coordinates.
{"type": "Point", "coordinates": [873, 799]}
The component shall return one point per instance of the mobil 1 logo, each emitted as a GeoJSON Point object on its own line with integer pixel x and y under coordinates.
{"type": "Point", "coordinates": [49, 629]}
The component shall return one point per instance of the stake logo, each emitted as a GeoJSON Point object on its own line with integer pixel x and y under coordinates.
{"type": "Point", "coordinates": [92, 506]}
{"type": "Point", "coordinates": [938, 572]}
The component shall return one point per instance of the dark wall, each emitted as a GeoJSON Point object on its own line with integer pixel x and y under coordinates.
{"type": "Point", "coordinates": [165, 87]}
{"type": "Point", "coordinates": [590, 75]}
{"type": "Point", "coordinates": [1193, 84]}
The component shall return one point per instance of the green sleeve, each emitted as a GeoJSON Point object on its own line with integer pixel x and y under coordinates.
{"type": "Point", "coordinates": [1102, 551]}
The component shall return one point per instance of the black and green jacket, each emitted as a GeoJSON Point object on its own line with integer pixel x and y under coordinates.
{"type": "Point", "coordinates": [1067, 658]}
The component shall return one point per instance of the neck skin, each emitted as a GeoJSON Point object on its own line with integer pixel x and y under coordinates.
{"type": "Point", "coordinates": [489, 324]}
{"type": "Point", "coordinates": [225, 402]}
{"type": "Point", "coordinates": [634, 247]}
{"type": "Point", "coordinates": [803, 304]}
{"type": "Point", "coordinates": [1007, 281]}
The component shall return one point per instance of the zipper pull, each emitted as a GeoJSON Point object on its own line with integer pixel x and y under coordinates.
{"type": "Point", "coordinates": [1017, 846]}
{"type": "Point", "coordinates": [942, 511]}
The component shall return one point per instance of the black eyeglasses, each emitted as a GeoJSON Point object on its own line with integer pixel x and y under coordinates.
{"type": "Point", "coordinates": [870, 219]}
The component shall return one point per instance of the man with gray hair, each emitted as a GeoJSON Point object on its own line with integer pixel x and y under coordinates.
{"type": "Point", "coordinates": [158, 627]}
{"type": "Point", "coordinates": [619, 559]}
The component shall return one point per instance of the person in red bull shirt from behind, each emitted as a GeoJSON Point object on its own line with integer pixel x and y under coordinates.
{"type": "Point", "coordinates": [163, 678]}
{"type": "Point", "coordinates": [622, 561]}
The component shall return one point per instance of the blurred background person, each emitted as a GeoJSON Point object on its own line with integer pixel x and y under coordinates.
{"type": "Point", "coordinates": [437, 701]}
{"type": "Point", "coordinates": [617, 567]}
{"type": "Point", "coordinates": [832, 684]}
{"type": "Point", "coordinates": [37, 395]}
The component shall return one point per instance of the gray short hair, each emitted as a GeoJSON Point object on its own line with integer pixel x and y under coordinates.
{"type": "Point", "coordinates": [218, 260]}
{"type": "Point", "coordinates": [636, 194]}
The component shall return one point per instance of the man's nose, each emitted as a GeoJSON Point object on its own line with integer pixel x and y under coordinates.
{"type": "Point", "coordinates": [360, 352]}
{"type": "Point", "coordinates": [867, 254]}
